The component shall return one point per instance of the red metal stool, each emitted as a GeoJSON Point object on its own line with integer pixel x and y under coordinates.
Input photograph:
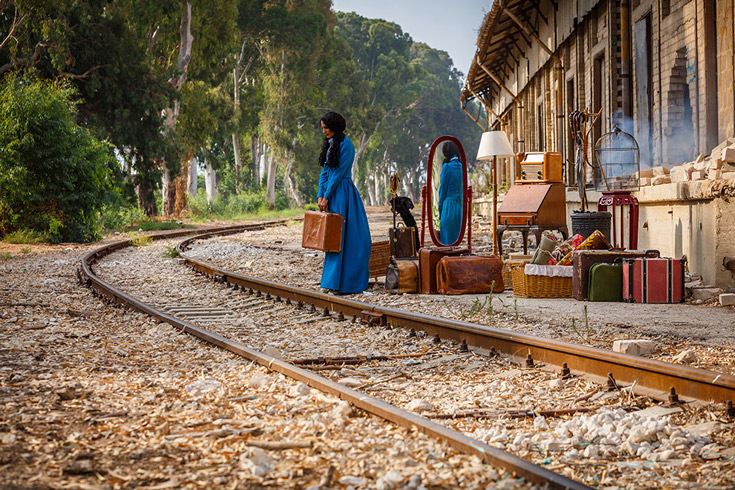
{"type": "Point", "coordinates": [619, 200]}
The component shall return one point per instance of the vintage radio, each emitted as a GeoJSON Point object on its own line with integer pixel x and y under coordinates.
{"type": "Point", "coordinates": [542, 166]}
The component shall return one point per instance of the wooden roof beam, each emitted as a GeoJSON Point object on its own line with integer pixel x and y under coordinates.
{"type": "Point", "coordinates": [526, 29]}
{"type": "Point", "coordinates": [496, 79]}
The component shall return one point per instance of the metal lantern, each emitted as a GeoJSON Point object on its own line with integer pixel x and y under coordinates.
{"type": "Point", "coordinates": [618, 158]}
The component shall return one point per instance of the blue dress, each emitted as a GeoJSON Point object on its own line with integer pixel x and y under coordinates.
{"type": "Point", "coordinates": [346, 271]}
{"type": "Point", "coordinates": [450, 201]}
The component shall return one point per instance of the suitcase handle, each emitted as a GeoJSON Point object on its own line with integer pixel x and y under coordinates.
{"type": "Point", "coordinates": [652, 254]}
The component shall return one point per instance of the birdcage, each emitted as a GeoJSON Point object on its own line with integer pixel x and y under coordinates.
{"type": "Point", "coordinates": [618, 158]}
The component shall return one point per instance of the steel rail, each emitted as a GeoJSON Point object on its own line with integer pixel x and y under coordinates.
{"type": "Point", "coordinates": [461, 442]}
{"type": "Point", "coordinates": [651, 377]}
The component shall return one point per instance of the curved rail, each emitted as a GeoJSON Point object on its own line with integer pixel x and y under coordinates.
{"type": "Point", "coordinates": [652, 377]}
{"type": "Point", "coordinates": [489, 454]}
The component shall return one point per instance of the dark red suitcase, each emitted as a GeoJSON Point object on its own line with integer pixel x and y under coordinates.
{"type": "Point", "coordinates": [653, 280]}
{"type": "Point", "coordinates": [582, 260]}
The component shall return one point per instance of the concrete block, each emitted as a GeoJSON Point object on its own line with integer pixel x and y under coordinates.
{"type": "Point", "coordinates": [646, 174]}
{"type": "Point", "coordinates": [705, 293]}
{"type": "Point", "coordinates": [660, 171]}
{"type": "Point", "coordinates": [728, 154]}
{"type": "Point", "coordinates": [714, 164]}
{"type": "Point", "coordinates": [645, 181]}
{"type": "Point", "coordinates": [727, 175]}
{"type": "Point", "coordinates": [661, 179]}
{"type": "Point", "coordinates": [700, 166]}
{"type": "Point", "coordinates": [698, 175]}
{"type": "Point", "coordinates": [713, 174]}
{"type": "Point", "coordinates": [634, 347]}
{"type": "Point", "coordinates": [727, 299]}
{"type": "Point", "coordinates": [700, 158]}
{"type": "Point", "coordinates": [679, 176]}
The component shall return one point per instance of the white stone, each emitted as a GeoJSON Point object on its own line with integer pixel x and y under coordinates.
{"type": "Point", "coordinates": [713, 174]}
{"type": "Point", "coordinates": [343, 409]}
{"type": "Point", "coordinates": [300, 389]}
{"type": "Point", "coordinates": [685, 357]}
{"type": "Point", "coordinates": [350, 382]}
{"type": "Point", "coordinates": [661, 179]}
{"type": "Point", "coordinates": [419, 405]}
{"type": "Point", "coordinates": [705, 294]}
{"type": "Point", "coordinates": [272, 351]}
{"type": "Point", "coordinates": [540, 423]}
{"type": "Point", "coordinates": [352, 480]}
{"type": "Point", "coordinates": [591, 451]}
{"type": "Point", "coordinates": [634, 347]}
{"type": "Point", "coordinates": [551, 446]}
{"type": "Point", "coordinates": [727, 299]}
{"type": "Point", "coordinates": [698, 175]}
{"type": "Point", "coordinates": [660, 171]}
{"type": "Point", "coordinates": [727, 175]}
{"type": "Point", "coordinates": [728, 154]}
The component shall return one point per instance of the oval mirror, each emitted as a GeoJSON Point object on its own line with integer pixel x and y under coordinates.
{"type": "Point", "coordinates": [446, 195]}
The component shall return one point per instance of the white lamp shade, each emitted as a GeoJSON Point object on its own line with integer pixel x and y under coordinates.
{"type": "Point", "coordinates": [494, 144]}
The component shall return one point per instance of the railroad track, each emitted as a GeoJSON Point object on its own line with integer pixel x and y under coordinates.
{"type": "Point", "coordinates": [579, 359]}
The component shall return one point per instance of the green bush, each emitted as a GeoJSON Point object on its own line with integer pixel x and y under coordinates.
{"type": "Point", "coordinates": [311, 207]}
{"type": "Point", "coordinates": [54, 174]}
{"type": "Point", "coordinates": [25, 236]}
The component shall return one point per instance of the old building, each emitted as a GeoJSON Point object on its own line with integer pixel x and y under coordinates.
{"type": "Point", "coordinates": [661, 70]}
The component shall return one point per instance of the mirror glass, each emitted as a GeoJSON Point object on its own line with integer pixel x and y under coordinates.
{"type": "Point", "coordinates": [447, 184]}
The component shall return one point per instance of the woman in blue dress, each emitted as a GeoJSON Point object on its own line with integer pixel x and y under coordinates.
{"type": "Point", "coordinates": [345, 271]}
{"type": "Point", "coordinates": [450, 195]}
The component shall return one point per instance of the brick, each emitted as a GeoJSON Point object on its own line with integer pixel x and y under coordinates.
{"type": "Point", "coordinates": [634, 347]}
{"type": "Point", "coordinates": [727, 299]}
{"type": "Point", "coordinates": [660, 171]}
{"type": "Point", "coordinates": [728, 154]}
{"type": "Point", "coordinates": [660, 180]}
{"type": "Point", "coordinates": [698, 175]}
{"type": "Point", "coordinates": [679, 176]}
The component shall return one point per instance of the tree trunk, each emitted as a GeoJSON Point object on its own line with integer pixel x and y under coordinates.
{"type": "Point", "coordinates": [168, 188]}
{"type": "Point", "coordinates": [146, 198]}
{"type": "Point", "coordinates": [168, 192]}
{"type": "Point", "coordinates": [293, 191]}
{"type": "Point", "coordinates": [193, 176]}
{"type": "Point", "coordinates": [271, 187]}
{"type": "Point", "coordinates": [210, 182]}
{"type": "Point", "coordinates": [255, 152]}
{"type": "Point", "coordinates": [235, 138]}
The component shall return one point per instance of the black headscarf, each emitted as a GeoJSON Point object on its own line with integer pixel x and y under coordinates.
{"type": "Point", "coordinates": [335, 122]}
{"type": "Point", "coordinates": [449, 149]}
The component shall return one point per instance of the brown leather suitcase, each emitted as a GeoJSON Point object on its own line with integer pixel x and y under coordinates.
{"type": "Point", "coordinates": [402, 276]}
{"type": "Point", "coordinates": [403, 241]}
{"type": "Point", "coordinates": [470, 274]}
{"type": "Point", "coordinates": [428, 259]}
{"type": "Point", "coordinates": [582, 260]}
{"type": "Point", "coordinates": [322, 231]}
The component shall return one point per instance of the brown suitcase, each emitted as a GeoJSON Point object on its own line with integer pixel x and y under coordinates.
{"type": "Point", "coordinates": [470, 274]}
{"type": "Point", "coordinates": [582, 260]}
{"type": "Point", "coordinates": [428, 259]}
{"type": "Point", "coordinates": [403, 241]}
{"type": "Point", "coordinates": [322, 231]}
{"type": "Point", "coordinates": [402, 276]}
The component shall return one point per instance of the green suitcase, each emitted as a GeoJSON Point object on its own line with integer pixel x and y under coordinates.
{"type": "Point", "coordinates": [605, 282]}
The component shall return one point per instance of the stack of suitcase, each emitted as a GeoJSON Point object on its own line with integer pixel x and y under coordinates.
{"type": "Point", "coordinates": [633, 276]}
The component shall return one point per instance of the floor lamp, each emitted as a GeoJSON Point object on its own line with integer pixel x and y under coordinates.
{"type": "Point", "coordinates": [494, 144]}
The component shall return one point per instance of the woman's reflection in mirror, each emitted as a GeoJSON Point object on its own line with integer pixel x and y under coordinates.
{"type": "Point", "coordinates": [451, 194]}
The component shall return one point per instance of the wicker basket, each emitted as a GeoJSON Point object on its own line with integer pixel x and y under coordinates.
{"type": "Point", "coordinates": [507, 274]}
{"type": "Point", "coordinates": [525, 286]}
{"type": "Point", "coordinates": [379, 259]}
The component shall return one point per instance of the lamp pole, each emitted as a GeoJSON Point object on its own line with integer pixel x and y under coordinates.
{"type": "Point", "coordinates": [495, 205]}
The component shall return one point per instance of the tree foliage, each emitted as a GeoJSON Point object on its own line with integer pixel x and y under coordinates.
{"type": "Point", "coordinates": [260, 74]}
{"type": "Point", "coordinates": [53, 173]}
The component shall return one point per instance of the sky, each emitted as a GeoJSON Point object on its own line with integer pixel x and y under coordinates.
{"type": "Point", "coordinates": [448, 25]}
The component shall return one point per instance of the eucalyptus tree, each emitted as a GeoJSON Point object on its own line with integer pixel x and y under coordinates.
{"type": "Point", "coordinates": [382, 52]}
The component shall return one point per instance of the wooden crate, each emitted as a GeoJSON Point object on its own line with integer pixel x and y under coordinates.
{"type": "Point", "coordinates": [379, 258]}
